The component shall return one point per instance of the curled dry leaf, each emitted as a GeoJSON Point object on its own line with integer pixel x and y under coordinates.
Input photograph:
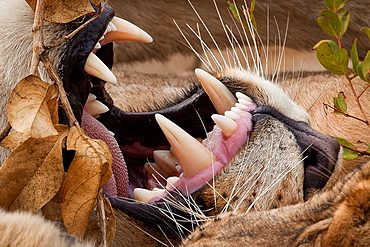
{"type": "Point", "coordinates": [13, 140]}
{"type": "Point", "coordinates": [33, 173]}
{"type": "Point", "coordinates": [88, 172]}
{"type": "Point", "coordinates": [63, 11]}
{"type": "Point", "coordinates": [27, 108]}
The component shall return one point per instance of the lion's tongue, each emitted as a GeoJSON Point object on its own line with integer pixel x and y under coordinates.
{"type": "Point", "coordinates": [118, 184]}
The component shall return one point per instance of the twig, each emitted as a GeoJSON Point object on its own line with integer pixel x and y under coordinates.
{"type": "Point", "coordinates": [62, 94]}
{"type": "Point", "coordinates": [355, 150]}
{"type": "Point", "coordinates": [5, 131]}
{"type": "Point", "coordinates": [346, 114]}
{"type": "Point", "coordinates": [357, 98]}
{"type": "Point", "coordinates": [70, 36]}
{"type": "Point", "coordinates": [38, 48]}
{"type": "Point", "coordinates": [103, 225]}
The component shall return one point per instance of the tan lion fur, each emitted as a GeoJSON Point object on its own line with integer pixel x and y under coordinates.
{"type": "Point", "coordinates": [321, 219]}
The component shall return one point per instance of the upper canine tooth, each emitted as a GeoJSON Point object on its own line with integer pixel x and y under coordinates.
{"type": "Point", "coordinates": [220, 96]}
{"type": "Point", "coordinates": [193, 156]}
{"type": "Point", "coordinates": [227, 125]}
{"type": "Point", "coordinates": [126, 31]}
{"type": "Point", "coordinates": [94, 66]}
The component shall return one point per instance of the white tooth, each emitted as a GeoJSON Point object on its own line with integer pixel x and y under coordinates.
{"type": "Point", "coordinates": [240, 95]}
{"type": "Point", "coordinates": [193, 156]}
{"type": "Point", "coordinates": [157, 171]}
{"type": "Point", "coordinates": [126, 31]}
{"type": "Point", "coordinates": [236, 110]}
{"type": "Point", "coordinates": [111, 132]}
{"type": "Point", "coordinates": [109, 28]}
{"type": "Point", "coordinates": [244, 102]}
{"type": "Point", "coordinates": [95, 67]}
{"type": "Point", "coordinates": [145, 195]}
{"type": "Point", "coordinates": [165, 158]}
{"type": "Point", "coordinates": [97, 46]}
{"type": "Point", "coordinates": [241, 106]}
{"type": "Point", "coordinates": [112, 26]}
{"type": "Point", "coordinates": [90, 98]}
{"type": "Point", "coordinates": [101, 38]}
{"type": "Point", "coordinates": [227, 125]}
{"type": "Point", "coordinates": [231, 115]}
{"type": "Point", "coordinates": [171, 181]}
{"type": "Point", "coordinates": [105, 32]}
{"type": "Point", "coordinates": [220, 96]}
{"type": "Point", "coordinates": [95, 107]}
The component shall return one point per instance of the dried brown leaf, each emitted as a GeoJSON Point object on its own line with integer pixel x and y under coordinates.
{"type": "Point", "coordinates": [13, 140]}
{"type": "Point", "coordinates": [32, 174]}
{"type": "Point", "coordinates": [64, 11]}
{"type": "Point", "coordinates": [83, 180]}
{"type": "Point", "coordinates": [27, 108]}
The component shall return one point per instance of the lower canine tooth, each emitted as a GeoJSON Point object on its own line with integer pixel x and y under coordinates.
{"type": "Point", "coordinates": [220, 96]}
{"type": "Point", "coordinates": [95, 107]}
{"type": "Point", "coordinates": [95, 67]}
{"type": "Point", "coordinates": [227, 125]}
{"type": "Point", "coordinates": [145, 195]}
{"type": "Point", "coordinates": [193, 156]}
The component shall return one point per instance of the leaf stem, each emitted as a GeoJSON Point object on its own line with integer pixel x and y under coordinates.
{"type": "Point", "coordinates": [62, 93]}
{"type": "Point", "coordinates": [37, 30]}
{"type": "Point", "coordinates": [355, 150]}
{"type": "Point", "coordinates": [357, 98]}
{"type": "Point", "coordinates": [345, 113]}
{"type": "Point", "coordinates": [103, 225]}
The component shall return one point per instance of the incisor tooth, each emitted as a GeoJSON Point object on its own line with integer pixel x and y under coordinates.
{"type": "Point", "coordinates": [236, 110]}
{"type": "Point", "coordinates": [90, 98]}
{"type": "Point", "coordinates": [244, 102]}
{"type": "Point", "coordinates": [145, 195]}
{"type": "Point", "coordinates": [157, 171]}
{"type": "Point", "coordinates": [227, 125]}
{"type": "Point", "coordinates": [220, 96]}
{"type": "Point", "coordinates": [95, 67]}
{"type": "Point", "coordinates": [241, 106]}
{"type": "Point", "coordinates": [171, 181]}
{"type": "Point", "coordinates": [193, 156]}
{"type": "Point", "coordinates": [231, 115]}
{"type": "Point", "coordinates": [165, 158]}
{"type": "Point", "coordinates": [240, 95]}
{"type": "Point", "coordinates": [126, 31]}
{"type": "Point", "coordinates": [95, 107]}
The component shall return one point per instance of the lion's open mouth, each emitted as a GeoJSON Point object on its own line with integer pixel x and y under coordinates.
{"type": "Point", "coordinates": [190, 164]}
{"type": "Point", "coordinates": [145, 169]}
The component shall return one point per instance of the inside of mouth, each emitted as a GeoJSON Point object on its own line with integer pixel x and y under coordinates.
{"type": "Point", "coordinates": [133, 137]}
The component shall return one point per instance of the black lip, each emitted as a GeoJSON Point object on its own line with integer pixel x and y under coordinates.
{"type": "Point", "coordinates": [76, 81]}
{"type": "Point", "coordinates": [321, 151]}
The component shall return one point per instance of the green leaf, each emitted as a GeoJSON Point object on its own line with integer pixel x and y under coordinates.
{"type": "Point", "coordinates": [366, 30]}
{"type": "Point", "coordinates": [332, 58]}
{"type": "Point", "coordinates": [329, 23]}
{"type": "Point", "coordinates": [366, 67]}
{"type": "Point", "coordinates": [347, 153]}
{"type": "Point", "coordinates": [354, 57]}
{"type": "Point", "coordinates": [359, 70]}
{"type": "Point", "coordinates": [234, 10]}
{"type": "Point", "coordinates": [253, 5]}
{"type": "Point", "coordinates": [344, 18]}
{"type": "Point", "coordinates": [340, 103]}
{"type": "Point", "coordinates": [335, 5]}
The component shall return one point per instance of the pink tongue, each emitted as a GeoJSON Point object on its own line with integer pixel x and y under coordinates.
{"type": "Point", "coordinates": [118, 183]}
